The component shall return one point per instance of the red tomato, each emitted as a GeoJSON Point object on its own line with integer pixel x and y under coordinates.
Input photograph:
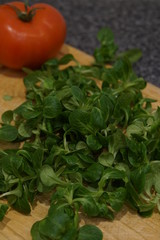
{"type": "Point", "coordinates": [30, 43]}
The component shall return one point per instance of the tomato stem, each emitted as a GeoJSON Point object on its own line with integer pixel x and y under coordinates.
{"type": "Point", "coordinates": [26, 5]}
{"type": "Point", "coordinates": [27, 15]}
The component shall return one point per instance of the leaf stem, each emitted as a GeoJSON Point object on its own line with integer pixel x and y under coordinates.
{"type": "Point", "coordinates": [24, 179]}
{"type": "Point", "coordinates": [76, 216]}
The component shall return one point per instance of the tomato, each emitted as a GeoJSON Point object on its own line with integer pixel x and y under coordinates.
{"type": "Point", "coordinates": [32, 38]}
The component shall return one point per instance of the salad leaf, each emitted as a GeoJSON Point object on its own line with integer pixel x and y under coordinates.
{"type": "Point", "coordinates": [92, 149]}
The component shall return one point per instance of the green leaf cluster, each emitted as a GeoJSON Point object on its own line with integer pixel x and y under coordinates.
{"type": "Point", "coordinates": [108, 52]}
{"type": "Point", "coordinates": [93, 149]}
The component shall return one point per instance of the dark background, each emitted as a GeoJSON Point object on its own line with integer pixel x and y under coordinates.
{"type": "Point", "coordinates": [135, 24]}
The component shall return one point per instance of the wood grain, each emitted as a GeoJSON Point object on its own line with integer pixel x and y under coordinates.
{"type": "Point", "coordinates": [127, 224]}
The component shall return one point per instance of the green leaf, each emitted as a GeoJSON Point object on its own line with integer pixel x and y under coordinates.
{"type": "Point", "coordinates": [48, 176]}
{"type": "Point", "coordinates": [90, 232]}
{"type": "Point", "coordinates": [137, 127]}
{"type": "Point", "coordinates": [93, 173]}
{"type": "Point", "coordinates": [106, 159]}
{"type": "Point", "coordinates": [105, 36]}
{"type": "Point", "coordinates": [106, 105]}
{"type": "Point", "coordinates": [66, 59]}
{"type": "Point", "coordinates": [12, 164]}
{"type": "Point", "coordinates": [106, 52]}
{"type": "Point", "coordinates": [73, 160]}
{"type": "Point", "coordinates": [111, 173]}
{"type": "Point", "coordinates": [22, 205]}
{"type": "Point", "coordinates": [35, 232]}
{"type": "Point", "coordinates": [27, 110]}
{"type": "Point", "coordinates": [116, 142]}
{"type": "Point", "coordinates": [86, 158]}
{"type": "Point", "coordinates": [8, 133]}
{"type": "Point", "coordinates": [90, 206]}
{"type": "Point", "coordinates": [48, 83]}
{"type": "Point", "coordinates": [137, 202]}
{"type": "Point", "coordinates": [132, 54]}
{"type": "Point", "coordinates": [57, 224]}
{"type": "Point", "coordinates": [52, 107]}
{"type": "Point", "coordinates": [93, 143]}
{"type": "Point", "coordinates": [63, 93]}
{"type": "Point", "coordinates": [53, 62]}
{"type": "Point", "coordinates": [117, 198]}
{"type": "Point", "coordinates": [109, 78]}
{"type": "Point", "coordinates": [153, 178]}
{"type": "Point", "coordinates": [7, 117]}
{"type": "Point", "coordinates": [79, 120]}
{"type": "Point", "coordinates": [25, 130]}
{"type": "Point", "coordinates": [137, 152]}
{"type": "Point", "coordinates": [77, 94]}
{"type": "Point", "coordinates": [7, 97]}
{"type": "Point", "coordinates": [123, 69]}
{"type": "Point", "coordinates": [31, 78]}
{"type": "Point", "coordinates": [81, 145]}
{"type": "Point", "coordinates": [3, 210]}
{"type": "Point", "coordinates": [138, 178]}
{"type": "Point", "coordinates": [70, 235]}
{"type": "Point", "coordinates": [37, 158]}
{"type": "Point", "coordinates": [96, 118]}
{"type": "Point", "coordinates": [18, 198]}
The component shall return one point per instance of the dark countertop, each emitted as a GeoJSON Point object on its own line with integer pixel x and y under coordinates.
{"type": "Point", "coordinates": [135, 24]}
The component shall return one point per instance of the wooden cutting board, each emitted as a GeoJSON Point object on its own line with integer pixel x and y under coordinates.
{"type": "Point", "coordinates": [127, 224]}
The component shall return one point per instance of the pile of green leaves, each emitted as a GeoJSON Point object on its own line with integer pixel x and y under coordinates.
{"type": "Point", "coordinates": [93, 149]}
